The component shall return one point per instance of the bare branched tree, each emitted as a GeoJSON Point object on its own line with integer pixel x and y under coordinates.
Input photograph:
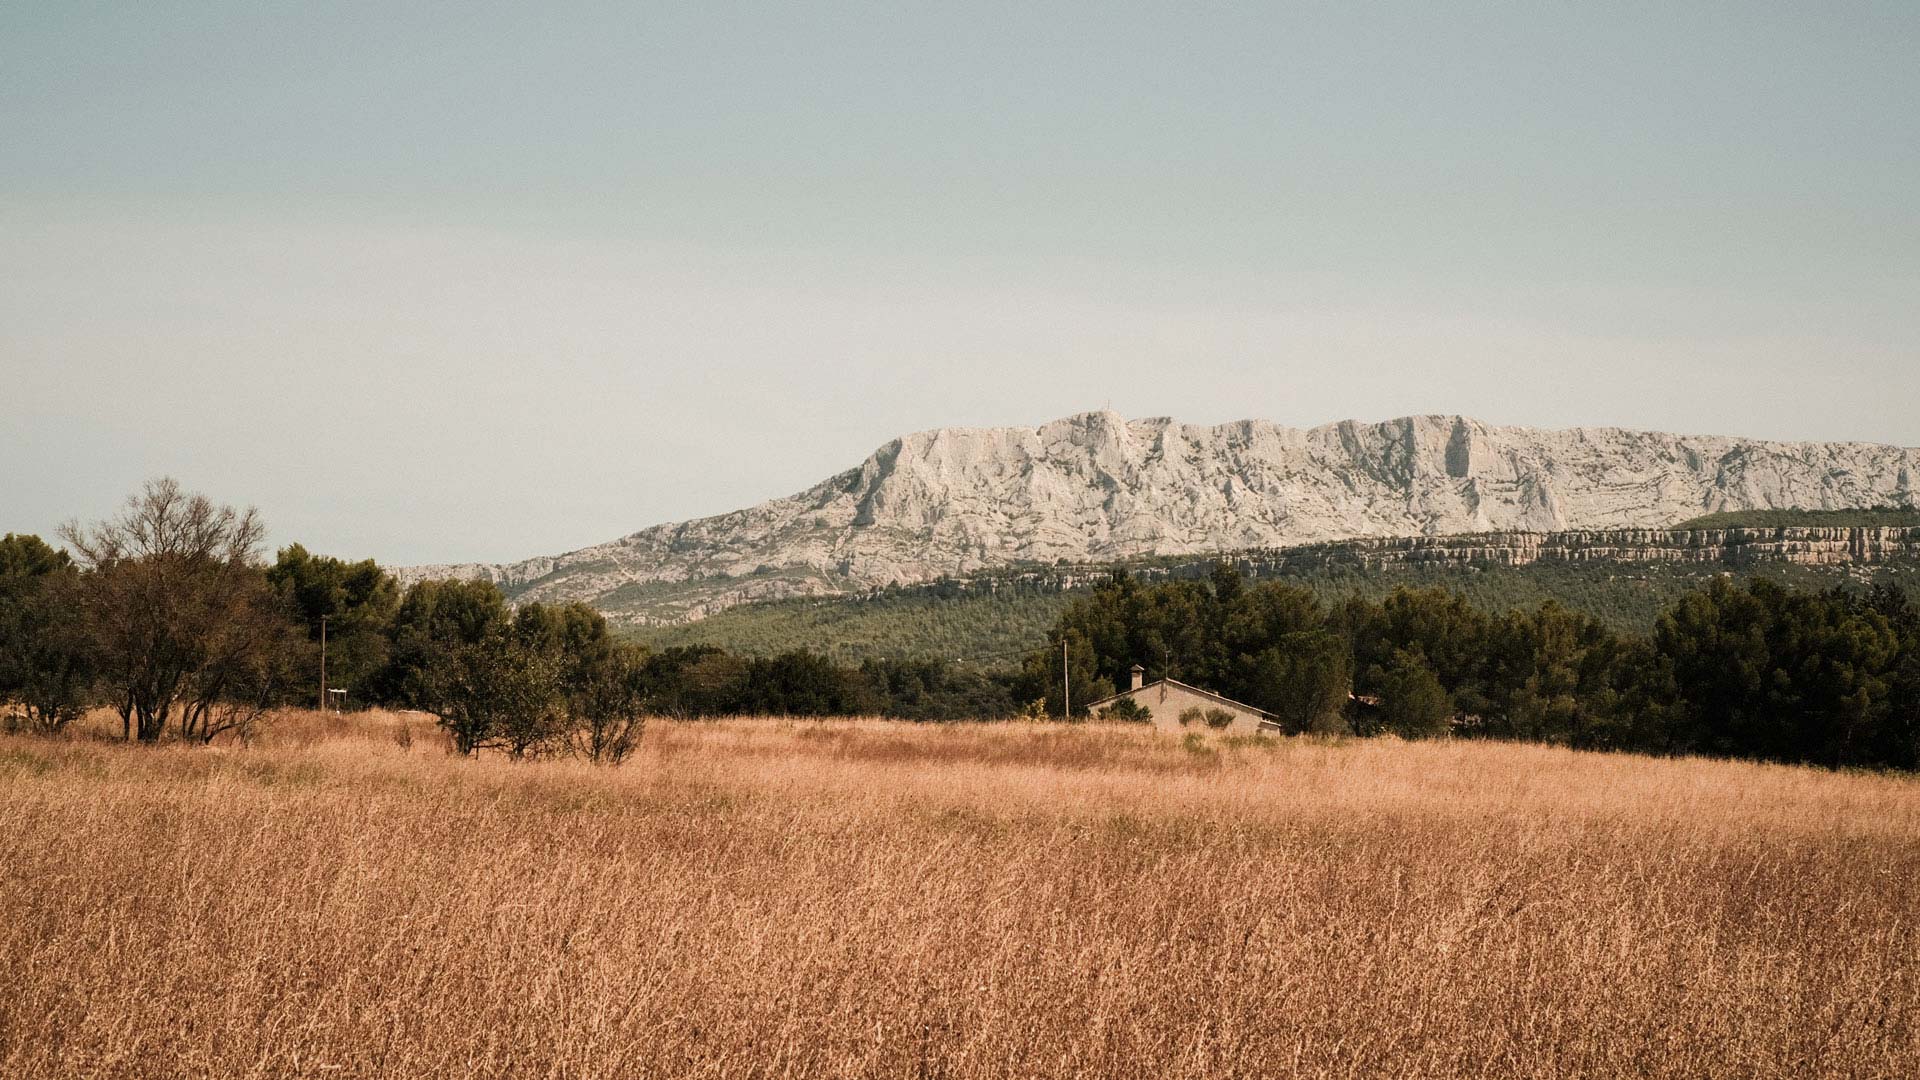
{"type": "Point", "coordinates": [249, 667]}
{"type": "Point", "coordinates": [178, 611]}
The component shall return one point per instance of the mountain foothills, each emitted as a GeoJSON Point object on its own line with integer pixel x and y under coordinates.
{"type": "Point", "coordinates": [1099, 488]}
{"type": "Point", "coordinates": [988, 617]}
{"type": "Point", "coordinates": [169, 615]}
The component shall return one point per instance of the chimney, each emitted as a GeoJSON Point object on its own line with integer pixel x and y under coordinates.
{"type": "Point", "coordinates": [1139, 676]}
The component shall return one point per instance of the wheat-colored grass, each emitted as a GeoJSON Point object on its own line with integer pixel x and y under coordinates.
{"type": "Point", "coordinates": [776, 898]}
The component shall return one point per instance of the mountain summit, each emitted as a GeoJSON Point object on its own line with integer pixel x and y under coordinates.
{"type": "Point", "coordinates": [1096, 486]}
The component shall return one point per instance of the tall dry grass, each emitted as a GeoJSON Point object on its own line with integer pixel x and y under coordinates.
{"type": "Point", "coordinates": [770, 898]}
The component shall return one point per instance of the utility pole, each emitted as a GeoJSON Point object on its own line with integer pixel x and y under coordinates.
{"type": "Point", "coordinates": [1066, 684]}
{"type": "Point", "coordinates": [323, 663]}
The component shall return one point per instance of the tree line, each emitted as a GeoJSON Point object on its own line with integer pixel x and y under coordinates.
{"type": "Point", "coordinates": [1752, 670]}
{"type": "Point", "coordinates": [1003, 614]}
{"type": "Point", "coordinates": [169, 615]}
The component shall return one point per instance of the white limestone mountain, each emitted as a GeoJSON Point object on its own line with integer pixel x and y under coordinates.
{"type": "Point", "coordinates": [1098, 487]}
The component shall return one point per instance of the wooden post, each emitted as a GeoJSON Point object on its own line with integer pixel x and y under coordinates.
{"type": "Point", "coordinates": [323, 663]}
{"type": "Point", "coordinates": [1066, 684]}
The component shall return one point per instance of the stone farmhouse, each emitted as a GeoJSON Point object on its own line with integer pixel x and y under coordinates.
{"type": "Point", "coordinates": [1173, 706]}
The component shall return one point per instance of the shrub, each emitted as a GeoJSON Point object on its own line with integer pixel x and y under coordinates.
{"type": "Point", "coordinates": [1127, 709]}
{"type": "Point", "coordinates": [607, 707]}
{"type": "Point", "coordinates": [1192, 715]}
{"type": "Point", "coordinates": [1217, 718]}
{"type": "Point", "coordinates": [497, 693]}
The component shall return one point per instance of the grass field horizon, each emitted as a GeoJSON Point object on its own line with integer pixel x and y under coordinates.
{"type": "Point", "coordinates": [769, 897]}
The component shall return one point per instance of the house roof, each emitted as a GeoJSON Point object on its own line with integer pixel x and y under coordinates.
{"type": "Point", "coordinates": [1091, 705]}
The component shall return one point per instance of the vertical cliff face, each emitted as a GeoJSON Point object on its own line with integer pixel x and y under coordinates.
{"type": "Point", "coordinates": [1095, 486]}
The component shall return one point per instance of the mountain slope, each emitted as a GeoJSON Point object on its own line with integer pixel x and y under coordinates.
{"type": "Point", "coordinates": [1096, 487]}
{"type": "Point", "coordinates": [997, 628]}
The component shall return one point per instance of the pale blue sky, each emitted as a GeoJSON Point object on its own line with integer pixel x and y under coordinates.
{"type": "Point", "coordinates": [468, 281]}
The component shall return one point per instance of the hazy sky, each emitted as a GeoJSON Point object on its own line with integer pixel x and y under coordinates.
{"type": "Point", "coordinates": [439, 282]}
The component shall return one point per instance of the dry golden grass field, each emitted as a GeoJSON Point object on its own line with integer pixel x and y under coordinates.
{"type": "Point", "coordinates": [792, 898]}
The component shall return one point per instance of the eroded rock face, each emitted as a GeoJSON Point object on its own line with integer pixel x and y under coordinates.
{"type": "Point", "coordinates": [1860, 545]}
{"type": "Point", "coordinates": [1097, 487]}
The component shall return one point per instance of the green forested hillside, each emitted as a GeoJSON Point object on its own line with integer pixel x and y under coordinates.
{"type": "Point", "coordinates": [949, 621]}
{"type": "Point", "coordinates": [904, 624]}
{"type": "Point", "coordinates": [1894, 516]}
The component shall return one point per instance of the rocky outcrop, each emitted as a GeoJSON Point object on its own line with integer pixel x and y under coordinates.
{"type": "Point", "coordinates": [1095, 487]}
{"type": "Point", "coordinates": [1734, 549]}
{"type": "Point", "coordinates": [1826, 546]}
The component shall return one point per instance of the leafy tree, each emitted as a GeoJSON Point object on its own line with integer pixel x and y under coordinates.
{"type": "Point", "coordinates": [1304, 680]}
{"type": "Point", "coordinates": [802, 683]}
{"type": "Point", "coordinates": [1766, 672]}
{"type": "Point", "coordinates": [607, 706]}
{"type": "Point", "coordinates": [546, 678]}
{"type": "Point", "coordinates": [1413, 704]}
{"type": "Point", "coordinates": [254, 660]}
{"type": "Point", "coordinates": [1265, 612]}
{"type": "Point", "coordinates": [27, 558]}
{"type": "Point", "coordinates": [1441, 626]}
{"type": "Point", "coordinates": [696, 680]}
{"type": "Point", "coordinates": [435, 618]}
{"type": "Point", "coordinates": [1042, 674]}
{"type": "Point", "coordinates": [45, 667]}
{"type": "Point", "coordinates": [357, 601]}
{"type": "Point", "coordinates": [1897, 740]}
{"type": "Point", "coordinates": [1171, 630]}
{"type": "Point", "coordinates": [1226, 583]}
{"type": "Point", "coordinates": [495, 693]}
{"type": "Point", "coordinates": [1550, 675]}
{"type": "Point", "coordinates": [938, 690]}
{"type": "Point", "coordinates": [573, 629]}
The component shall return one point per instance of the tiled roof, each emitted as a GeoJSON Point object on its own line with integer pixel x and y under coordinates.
{"type": "Point", "coordinates": [1241, 705]}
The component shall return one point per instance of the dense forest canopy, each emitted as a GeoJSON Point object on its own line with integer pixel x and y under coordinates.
{"type": "Point", "coordinates": [990, 622]}
{"type": "Point", "coordinates": [1878, 516]}
{"type": "Point", "coordinates": [1756, 670]}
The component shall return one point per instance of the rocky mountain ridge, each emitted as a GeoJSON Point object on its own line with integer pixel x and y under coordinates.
{"type": "Point", "coordinates": [1095, 487]}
